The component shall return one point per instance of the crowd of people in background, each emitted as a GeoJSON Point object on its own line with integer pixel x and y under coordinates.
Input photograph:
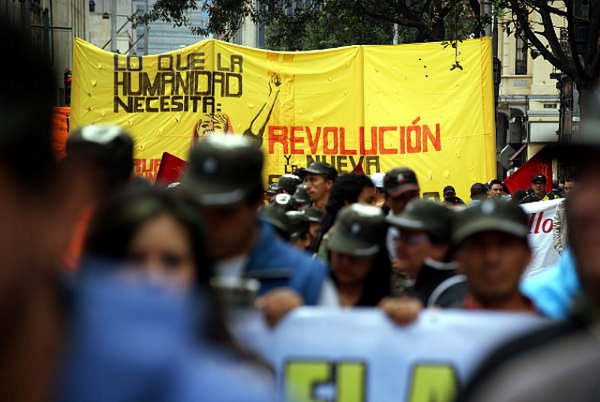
{"type": "Point", "coordinates": [218, 239]}
{"type": "Point", "coordinates": [423, 254]}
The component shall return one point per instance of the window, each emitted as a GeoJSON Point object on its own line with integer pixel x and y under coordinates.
{"type": "Point", "coordinates": [520, 56]}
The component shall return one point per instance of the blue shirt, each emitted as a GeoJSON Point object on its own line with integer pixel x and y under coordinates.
{"type": "Point", "coordinates": [136, 342]}
{"type": "Point", "coordinates": [553, 289]}
{"type": "Point", "coordinates": [275, 263]}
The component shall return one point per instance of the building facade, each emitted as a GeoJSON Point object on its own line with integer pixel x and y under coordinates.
{"type": "Point", "coordinates": [160, 36]}
{"type": "Point", "coordinates": [529, 99]}
{"type": "Point", "coordinates": [250, 34]}
{"type": "Point", "coordinates": [54, 24]}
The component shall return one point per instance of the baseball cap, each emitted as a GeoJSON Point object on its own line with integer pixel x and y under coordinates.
{"type": "Point", "coordinates": [490, 215]}
{"type": "Point", "coordinates": [428, 216]}
{"type": "Point", "coordinates": [399, 180]}
{"type": "Point", "coordinates": [538, 178]}
{"type": "Point", "coordinates": [449, 190]}
{"type": "Point", "coordinates": [359, 230]}
{"type": "Point", "coordinates": [288, 182]}
{"type": "Point", "coordinates": [320, 168]}
{"type": "Point", "coordinates": [223, 170]}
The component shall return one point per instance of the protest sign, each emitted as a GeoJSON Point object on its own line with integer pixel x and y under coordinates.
{"type": "Point", "coordinates": [541, 229]}
{"type": "Point", "coordinates": [376, 107]}
{"type": "Point", "coordinates": [359, 355]}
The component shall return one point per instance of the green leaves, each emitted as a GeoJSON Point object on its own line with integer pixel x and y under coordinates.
{"type": "Point", "coordinates": [316, 24]}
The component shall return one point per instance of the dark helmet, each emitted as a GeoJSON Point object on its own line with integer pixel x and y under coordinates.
{"type": "Point", "coordinates": [288, 183]}
{"type": "Point", "coordinates": [301, 195]}
{"type": "Point", "coordinates": [106, 147]}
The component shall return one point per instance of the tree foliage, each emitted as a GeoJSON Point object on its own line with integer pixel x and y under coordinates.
{"type": "Point", "coordinates": [314, 24]}
{"type": "Point", "coordinates": [564, 32]}
{"type": "Point", "coordinates": [325, 25]}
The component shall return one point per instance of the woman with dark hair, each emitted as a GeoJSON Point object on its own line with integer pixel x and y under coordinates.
{"type": "Point", "coordinates": [154, 232]}
{"type": "Point", "coordinates": [360, 265]}
{"type": "Point", "coordinates": [348, 189]}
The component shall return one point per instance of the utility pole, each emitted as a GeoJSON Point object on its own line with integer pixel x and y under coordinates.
{"type": "Point", "coordinates": [486, 10]}
{"type": "Point", "coordinates": [146, 31]}
{"type": "Point", "coordinates": [490, 29]}
{"type": "Point", "coordinates": [113, 26]}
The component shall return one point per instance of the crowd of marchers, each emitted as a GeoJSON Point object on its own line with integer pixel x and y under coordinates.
{"type": "Point", "coordinates": [115, 289]}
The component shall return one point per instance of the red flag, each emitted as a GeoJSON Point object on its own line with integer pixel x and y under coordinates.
{"type": "Point", "coordinates": [170, 170]}
{"type": "Point", "coordinates": [521, 179]}
{"type": "Point", "coordinates": [358, 169]}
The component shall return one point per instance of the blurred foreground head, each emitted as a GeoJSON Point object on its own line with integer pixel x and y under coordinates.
{"type": "Point", "coordinates": [26, 154]}
{"type": "Point", "coordinates": [582, 212]}
{"type": "Point", "coordinates": [224, 179]}
{"type": "Point", "coordinates": [105, 151]}
{"type": "Point", "coordinates": [38, 197]}
{"type": "Point", "coordinates": [38, 204]}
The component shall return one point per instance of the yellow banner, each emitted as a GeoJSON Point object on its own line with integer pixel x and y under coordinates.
{"type": "Point", "coordinates": [376, 107]}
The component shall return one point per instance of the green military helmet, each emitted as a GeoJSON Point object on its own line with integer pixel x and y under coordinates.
{"type": "Point", "coordinates": [424, 215]}
{"type": "Point", "coordinates": [275, 212]}
{"type": "Point", "coordinates": [491, 215]}
{"type": "Point", "coordinates": [298, 224]}
{"type": "Point", "coordinates": [359, 231]}
{"type": "Point", "coordinates": [284, 201]}
{"type": "Point", "coordinates": [223, 170]}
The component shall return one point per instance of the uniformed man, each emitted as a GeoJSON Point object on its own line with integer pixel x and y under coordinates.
{"type": "Point", "coordinates": [537, 191]}
{"type": "Point", "coordinates": [319, 178]}
{"type": "Point", "coordinates": [224, 177]}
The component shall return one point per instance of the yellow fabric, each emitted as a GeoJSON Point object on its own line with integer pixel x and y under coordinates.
{"type": "Point", "coordinates": [375, 106]}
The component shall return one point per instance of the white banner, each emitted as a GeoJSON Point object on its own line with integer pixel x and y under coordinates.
{"type": "Point", "coordinates": [541, 227]}
{"type": "Point", "coordinates": [359, 355]}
